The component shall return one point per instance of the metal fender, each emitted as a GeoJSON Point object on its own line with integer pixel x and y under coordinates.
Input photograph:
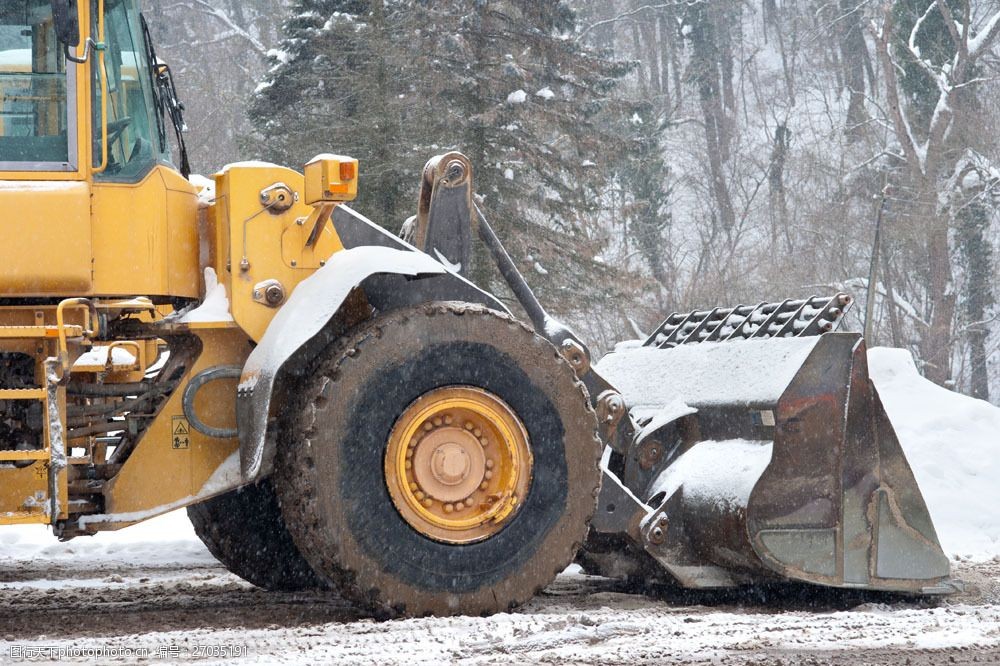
{"type": "Point", "coordinates": [391, 273]}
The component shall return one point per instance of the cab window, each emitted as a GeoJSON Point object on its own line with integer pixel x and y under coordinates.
{"type": "Point", "coordinates": [36, 122]}
{"type": "Point", "coordinates": [133, 142]}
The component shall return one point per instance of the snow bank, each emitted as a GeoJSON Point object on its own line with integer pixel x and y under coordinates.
{"type": "Point", "coordinates": [953, 444]}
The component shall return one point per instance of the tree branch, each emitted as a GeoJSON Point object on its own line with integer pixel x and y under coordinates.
{"type": "Point", "coordinates": [899, 122]}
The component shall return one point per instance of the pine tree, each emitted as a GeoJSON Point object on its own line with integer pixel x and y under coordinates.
{"type": "Point", "coordinates": [533, 110]}
{"type": "Point", "coordinates": [396, 82]}
{"type": "Point", "coordinates": [333, 87]}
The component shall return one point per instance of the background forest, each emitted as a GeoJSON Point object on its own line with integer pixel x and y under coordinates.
{"type": "Point", "coordinates": [641, 157]}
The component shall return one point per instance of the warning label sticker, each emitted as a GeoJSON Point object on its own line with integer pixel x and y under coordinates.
{"type": "Point", "coordinates": [181, 433]}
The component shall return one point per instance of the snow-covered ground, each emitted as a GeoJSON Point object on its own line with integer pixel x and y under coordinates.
{"type": "Point", "coordinates": [165, 540]}
{"type": "Point", "coordinates": [154, 587]}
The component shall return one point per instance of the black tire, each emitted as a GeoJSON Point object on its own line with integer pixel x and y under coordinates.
{"type": "Point", "coordinates": [332, 484]}
{"type": "Point", "coordinates": [245, 531]}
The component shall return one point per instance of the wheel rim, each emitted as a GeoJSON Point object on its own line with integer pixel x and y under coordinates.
{"type": "Point", "coordinates": [458, 464]}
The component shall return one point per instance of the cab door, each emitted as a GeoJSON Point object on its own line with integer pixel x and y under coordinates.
{"type": "Point", "coordinates": [44, 197]}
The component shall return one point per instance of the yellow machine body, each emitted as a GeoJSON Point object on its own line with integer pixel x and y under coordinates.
{"type": "Point", "coordinates": [97, 258]}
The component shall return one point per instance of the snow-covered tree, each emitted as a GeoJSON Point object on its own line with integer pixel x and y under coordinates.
{"type": "Point", "coordinates": [335, 84]}
{"type": "Point", "coordinates": [930, 110]}
{"type": "Point", "coordinates": [394, 82]}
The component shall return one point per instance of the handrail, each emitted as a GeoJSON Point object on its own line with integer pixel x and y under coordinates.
{"type": "Point", "coordinates": [125, 343]}
{"type": "Point", "coordinates": [103, 74]}
{"type": "Point", "coordinates": [91, 325]}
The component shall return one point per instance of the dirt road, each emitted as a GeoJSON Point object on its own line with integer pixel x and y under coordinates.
{"type": "Point", "coordinates": [99, 613]}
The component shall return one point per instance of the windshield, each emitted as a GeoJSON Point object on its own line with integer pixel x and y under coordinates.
{"type": "Point", "coordinates": [133, 141]}
{"type": "Point", "coordinates": [35, 121]}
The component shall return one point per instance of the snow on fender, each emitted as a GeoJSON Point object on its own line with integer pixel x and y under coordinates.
{"type": "Point", "coordinates": [309, 308]}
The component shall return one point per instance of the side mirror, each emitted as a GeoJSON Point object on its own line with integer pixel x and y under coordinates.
{"type": "Point", "coordinates": [67, 21]}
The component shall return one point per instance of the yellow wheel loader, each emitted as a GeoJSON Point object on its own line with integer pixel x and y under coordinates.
{"type": "Point", "coordinates": [340, 407]}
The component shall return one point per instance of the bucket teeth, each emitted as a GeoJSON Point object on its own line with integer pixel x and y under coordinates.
{"type": "Point", "coordinates": [790, 318]}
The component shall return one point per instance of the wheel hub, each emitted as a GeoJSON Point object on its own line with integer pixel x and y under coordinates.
{"type": "Point", "coordinates": [449, 464]}
{"type": "Point", "coordinates": [458, 464]}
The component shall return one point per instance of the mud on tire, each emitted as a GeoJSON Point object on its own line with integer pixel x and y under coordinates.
{"type": "Point", "coordinates": [331, 479]}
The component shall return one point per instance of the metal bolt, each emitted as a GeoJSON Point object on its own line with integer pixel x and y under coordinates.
{"type": "Point", "coordinates": [274, 294]}
{"type": "Point", "coordinates": [656, 535]}
{"type": "Point", "coordinates": [294, 263]}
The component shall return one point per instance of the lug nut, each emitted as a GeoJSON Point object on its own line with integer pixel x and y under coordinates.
{"type": "Point", "coordinates": [469, 425]}
{"type": "Point", "coordinates": [477, 432]}
{"type": "Point", "coordinates": [489, 464]}
{"type": "Point", "coordinates": [428, 426]}
{"type": "Point", "coordinates": [448, 508]}
{"type": "Point", "coordinates": [419, 494]}
{"type": "Point", "coordinates": [437, 421]}
{"type": "Point", "coordinates": [484, 442]}
{"type": "Point", "coordinates": [488, 475]}
{"type": "Point", "coordinates": [428, 502]}
{"type": "Point", "coordinates": [483, 485]}
{"type": "Point", "coordinates": [414, 488]}
{"type": "Point", "coordinates": [469, 502]}
{"type": "Point", "coordinates": [447, 419]}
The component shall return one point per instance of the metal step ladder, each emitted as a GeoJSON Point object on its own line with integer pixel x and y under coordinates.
{"type": "Point", "coordinates": [43, 480]}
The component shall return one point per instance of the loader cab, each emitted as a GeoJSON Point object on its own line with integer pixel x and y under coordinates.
{"type": "Point", "coordinates": [83, 117]}
{"type": "Point", "coordinates": [39, 85]}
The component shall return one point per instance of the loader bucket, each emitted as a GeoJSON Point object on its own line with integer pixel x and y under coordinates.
{"type": "Point", "coordinates": [767, 459]}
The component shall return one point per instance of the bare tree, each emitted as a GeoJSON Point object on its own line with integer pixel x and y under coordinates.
{"type": "Point", "coordinates": [930, 154]}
